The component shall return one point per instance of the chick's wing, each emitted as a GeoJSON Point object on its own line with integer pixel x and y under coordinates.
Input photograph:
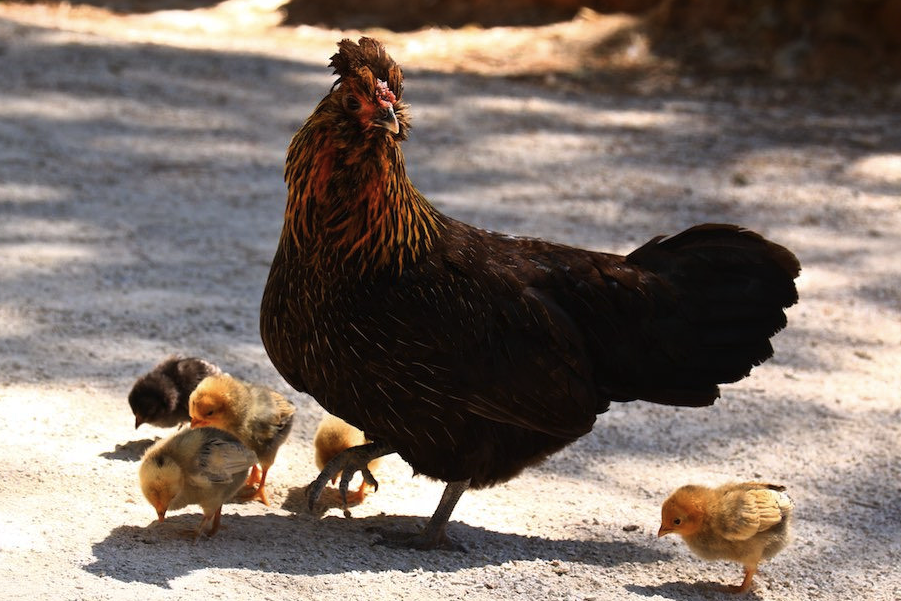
{"type": "Point", "coordinates": [220, 460]}
{"type": "Point", "coordinates": [749, 512]}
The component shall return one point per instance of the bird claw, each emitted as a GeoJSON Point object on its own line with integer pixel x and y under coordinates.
{"type": "Point", "coordinates": [421, 541]}
{"type": "Point", "coordinates": [348, 462]}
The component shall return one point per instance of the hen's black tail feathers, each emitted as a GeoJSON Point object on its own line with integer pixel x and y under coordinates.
{"type": "Point", "coordinates": [729, 288]}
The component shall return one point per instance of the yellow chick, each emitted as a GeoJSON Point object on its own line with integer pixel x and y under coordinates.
{"type": "Point", "coordinates": [261, 418]}
{"type": "Point", "coordinates": [334, 435]}
{"type": "Point", "coordinates": [744, 522]}
{"type": "Point", "coordinates": [203, 466]}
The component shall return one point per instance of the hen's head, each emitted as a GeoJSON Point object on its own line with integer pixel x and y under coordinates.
{"type": "Point", "coordinates": [366, 98]}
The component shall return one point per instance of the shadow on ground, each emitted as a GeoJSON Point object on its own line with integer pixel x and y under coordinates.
{"type": "Point", "coordinates": [303, 545]}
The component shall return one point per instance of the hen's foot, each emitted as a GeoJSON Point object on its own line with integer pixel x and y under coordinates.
{"type": "Point", "coordinates": [422, 541]}
{"type": "Point", "coordinates": [433, 536]}
{"type": "Point", "coordinates": [347, 463]}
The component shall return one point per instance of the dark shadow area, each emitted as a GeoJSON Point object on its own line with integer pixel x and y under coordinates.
{"type": "Point", "coordinates": [811, 40]}
{"type": "Point", "coordinates": [688, 590]}
{"type": "Point", "coordinates": [416, 14]}
{"type": "Point", "coordinates": [132, 450]}
{"type": "Point", "coordinates": [139, 6]}
{"type": "Point", "coordinates": [302, 545]}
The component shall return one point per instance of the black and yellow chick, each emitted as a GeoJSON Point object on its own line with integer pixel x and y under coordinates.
{"type": "Point", "coordinates": [160, 397]}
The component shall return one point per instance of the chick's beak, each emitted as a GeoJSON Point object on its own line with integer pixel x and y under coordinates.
{"type": "Point", "coordinates": [196, 422]}
{"type": "Point", "coordinates": [161, 514]}
{"type": "Point", "coordinates": [663, 531]}
{"type": "Point", "coordinates": [388, 120]}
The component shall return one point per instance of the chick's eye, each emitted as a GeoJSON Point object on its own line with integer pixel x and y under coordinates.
{"type": "Point", "coordinates": [209, 413]}
{"type": "Point", "coordinates": [677, 521]}
{"type": "Point", "coordinates": [351, 103]}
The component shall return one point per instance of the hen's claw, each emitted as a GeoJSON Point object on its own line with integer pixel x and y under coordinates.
{"type": "Point", "coordinates": [348, 462]}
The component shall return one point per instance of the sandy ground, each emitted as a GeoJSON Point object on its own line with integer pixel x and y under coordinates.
{"type": "Point", "coordinates": [141, 196]}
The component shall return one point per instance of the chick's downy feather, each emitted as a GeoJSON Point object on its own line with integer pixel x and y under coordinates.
{"type": "Point", "coordinates": [745, 522]}
{"type": "Point", "coordinates": [202, 466]}
{"type": "Point", "coordinates": [160, 397]}
{"type": "Point", "coordinates": [474, 354]}
{"type": "Point", "coordinates": [260, 417]}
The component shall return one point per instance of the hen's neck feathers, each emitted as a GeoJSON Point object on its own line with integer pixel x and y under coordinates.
{"type": "Point", "coordinates": [351, 206]}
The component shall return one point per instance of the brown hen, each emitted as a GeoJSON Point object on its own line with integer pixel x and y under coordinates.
{"type": "Point", "coordinates": [474, 354]}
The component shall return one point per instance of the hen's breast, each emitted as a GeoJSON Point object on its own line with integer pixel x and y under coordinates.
{"type": "Point", "coordinates": [423, 360]}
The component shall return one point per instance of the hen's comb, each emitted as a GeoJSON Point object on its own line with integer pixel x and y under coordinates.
{"type": "Point", "coordinates": [369, 54]}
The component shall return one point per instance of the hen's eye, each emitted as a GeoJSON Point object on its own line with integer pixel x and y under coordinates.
{"type": "Point", "coordinates": [351, 103]}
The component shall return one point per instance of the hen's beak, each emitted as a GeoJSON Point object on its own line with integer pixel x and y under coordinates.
{"type": "Point", "coordinates": [138, 421]}
{"type": "Point", "coordinates": [388, 120]}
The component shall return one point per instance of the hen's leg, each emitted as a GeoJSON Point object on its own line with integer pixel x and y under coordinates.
{"type": "Point", "coordinates": [348, 462]}
{"type": "Point", "coordinates": [434, 536]}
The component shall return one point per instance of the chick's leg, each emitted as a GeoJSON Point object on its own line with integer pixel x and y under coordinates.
{"type": "Point", "coordinates": [434, 536]}
{"type": "Point", "coordinates": [746, 583]}
{"type": "Point", "coordinates": [250, 492]}
{"type": "Point", "coordinates": [216, 520]}
{"type": "Point", "coordinates": [261, 489]}
{"type": "Point", "coordinates": [254, 476]}
{"type": "Point", "coordinates": [348, 462]}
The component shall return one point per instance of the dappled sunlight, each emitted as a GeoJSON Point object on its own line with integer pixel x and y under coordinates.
{"type": "Point", "coordinates": [42, 256]}
{"type": "Point", "coordinates": [878, 168]}
{"type": "Point", "coordinates": [20, 193]}
{"type": "Point", "coordinates": [554, 111]}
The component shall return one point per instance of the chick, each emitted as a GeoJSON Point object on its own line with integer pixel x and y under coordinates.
{"type": "Point", "coordinates": [160, 397]}
{"type": "Point", "coordinates": [261, 418]}
{"type": "Point", "coordinates": [744, 522]}
{"type": "Point", "coordinates": [203, 466]}
{"type": "Point", "coordinates": [334, 435]}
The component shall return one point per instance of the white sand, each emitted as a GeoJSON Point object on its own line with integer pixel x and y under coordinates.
{"type": "Point", "coordinates": [141, 196]}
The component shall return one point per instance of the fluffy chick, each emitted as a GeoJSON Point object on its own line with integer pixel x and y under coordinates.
{"type": "Point", "coordinates": [203, 466]}
{"type": "Point", "coordinates": [334, 435]}
{"type": "Point", "coordinates": [260, 417]}
{"type": "Point", "coordinates": [160, 397]}
{"type": "Point", "coordinates": [745, 522]}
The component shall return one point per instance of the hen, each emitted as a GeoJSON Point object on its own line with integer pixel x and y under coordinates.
{"type": "Point", "coordinates": [744, 522]}
{"type": "Point", "coordinates": [474, 354]}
